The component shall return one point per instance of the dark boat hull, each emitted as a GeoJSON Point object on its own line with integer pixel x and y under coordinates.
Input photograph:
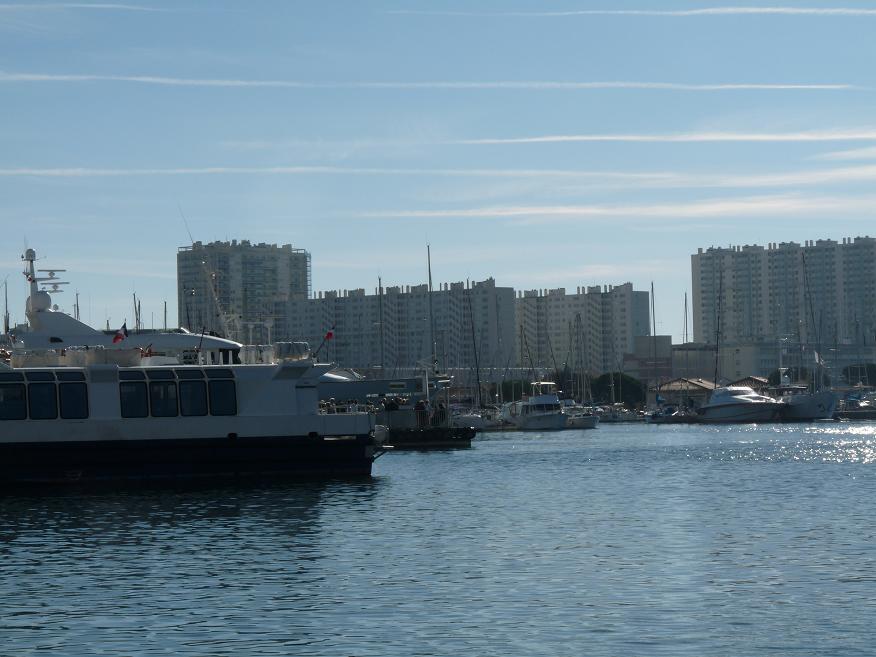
{"type": "Point", "coordinates": [430, 438]}
{"type": "Point", "coordinates": [156, 460]}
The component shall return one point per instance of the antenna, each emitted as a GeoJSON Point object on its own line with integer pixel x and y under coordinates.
{"type": "Point", "coordinates": [212, 282]}
{"type": "Point", "coordinates": [431, 316]}
{"type": "Point", "coordinates": [6, 306]}
{"type": "Point", "coordinates": [185, 222]}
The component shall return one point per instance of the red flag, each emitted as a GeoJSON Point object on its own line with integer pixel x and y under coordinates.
{"type": "Point", "coordinates": [329, 335]}
{"type": "Point", "coordinates": [121, 334]}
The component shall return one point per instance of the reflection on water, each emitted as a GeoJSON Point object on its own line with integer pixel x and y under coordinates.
{"type": "Point", "coordinates": [627, 540]}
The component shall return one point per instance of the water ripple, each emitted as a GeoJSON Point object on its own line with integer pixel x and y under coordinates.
{"type": "Point", "coordinates": [627, 540]}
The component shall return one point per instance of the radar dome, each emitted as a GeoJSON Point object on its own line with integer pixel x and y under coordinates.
{"type": "Point", "coordinates": [39, 301]}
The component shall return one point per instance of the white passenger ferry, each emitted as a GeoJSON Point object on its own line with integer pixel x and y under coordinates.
{"type": "Point", "coordinates": [108, 423]}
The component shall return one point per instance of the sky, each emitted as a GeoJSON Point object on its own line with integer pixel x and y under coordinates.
{"type": "Point", "coordinates": [544, 143]}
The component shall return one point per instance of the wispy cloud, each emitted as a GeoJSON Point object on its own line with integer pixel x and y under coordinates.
{"type": "Point", "coordinates": [868, 153]}
{"type": "Point", "coordinates": [524, 85]}
{"type": "Point", "coordinates": [863, 134]}
{"type": "Point", "coordinates": [669, 13]}
{"type": "Point", "coordinates": [604, 271]}
{"type": "Point", "coordinates": [749, 207]}
{"type": "Point", "coordinates": [85, 172]}
{"type": "Point", "coordinates": [56, 6]}
{"type": "Point", "coordinates": [653, 179]}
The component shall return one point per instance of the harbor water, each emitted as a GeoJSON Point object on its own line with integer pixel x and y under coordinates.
{"type": "Point", "coordinates": [625, 540]}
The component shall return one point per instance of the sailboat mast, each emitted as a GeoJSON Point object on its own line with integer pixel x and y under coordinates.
{"type": "Point", "coordinates": [6, 306]}
{"type": "Point", "coordinates": [380, 318]}
{"type": "Point", "coordinates": [474, 346]}
{"type": "Point", "coordinates": [653, 347]}
{"type": "Point", "coordinates": [431, 315]}
{"type": "Point", "coordinates": [718, 320]}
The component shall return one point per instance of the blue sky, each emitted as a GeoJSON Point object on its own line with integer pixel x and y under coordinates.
{"type": "Point", "coordinates": [547, 144]}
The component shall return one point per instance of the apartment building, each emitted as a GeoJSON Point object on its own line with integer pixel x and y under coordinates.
{"type": "Point", "coordinates": [240, 289]}
{"type": "Point", "coordinates": [590, 330]}
{"type": "Point", "coordinates": [821, 292]}
{"type": "Point", "coordinates": [403, 327]}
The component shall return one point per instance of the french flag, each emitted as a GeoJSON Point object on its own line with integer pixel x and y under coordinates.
{"type": "Point", "coordinates": [121, 334]}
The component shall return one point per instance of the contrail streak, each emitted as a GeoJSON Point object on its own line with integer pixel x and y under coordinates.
{"type": "Point", "coordinates": [437, 85]}
{"type": "Point", "coordinates": [693, 137]}
{"type": "Point", "coordinates": [677, 13]}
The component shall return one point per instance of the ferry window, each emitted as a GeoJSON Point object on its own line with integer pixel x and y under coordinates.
{"type": "Point", "coordinates": [71, 376]}
{"type": "Point", "coordinates": [11, 376]}
{"type": "Point", "coordinates": [162, 397]}
{"type": "Point", "coordinates": [39, 376]}
{"type": "Point", "coordinates": [223, 398]}
{"type": "Point", "coordinates": [131, 375]}
{"type": "Point", "coordinates": [160, 374]}
{"type": "Point", "coordinates": [219, 373]}
{"type": "Point", "coordinates": [192, 398]}
{"type": "Point", "coordinates": [189, 374]}
{"type": "Point", "coordinates": [12, 402]}
{"type": "Point", "coordinates": [42, 401]}
{"type": "Point", "coordinates": [74, 401]}
{"type": "Point", "coordinates": [133, 398]}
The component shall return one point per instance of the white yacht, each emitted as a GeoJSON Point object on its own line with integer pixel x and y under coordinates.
{"type": "Point", "coordinates": [540, 411]}
{"type": "Point", "coordinates": [739, 404]}
{"type": "Point", "coordinates": [51, 329]}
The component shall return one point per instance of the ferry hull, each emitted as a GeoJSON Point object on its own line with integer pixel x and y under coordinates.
{"type": "Point", "coordinates": [156, 460]}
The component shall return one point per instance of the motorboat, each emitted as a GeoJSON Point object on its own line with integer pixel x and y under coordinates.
{"type": "Point", "coordinates": [108, 423]}
{"type": "Point", "coordinates": [578, 416]}
{"type": "Point", "coordinates": [481, 419]}
{"type": "Point", "coordinates": [540, 411]}
{"type": "Point", "coordinates": [739, 404]}
{"type": "Point", "coordinates": [672, 415]}
{"type": "Point", "coordinates": [618, 412]}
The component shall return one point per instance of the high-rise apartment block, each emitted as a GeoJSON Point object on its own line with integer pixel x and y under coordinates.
{"type": "Point", "coordinates": [261, 293]}
{"type": "Point", "coordinates": [590, 330]}
{"type": "Point", "coordinates": [401, 327]}
{"type": "Point", "coordinates": [239, 289]}
{"type": "Point", "coordinates": [821, 292]}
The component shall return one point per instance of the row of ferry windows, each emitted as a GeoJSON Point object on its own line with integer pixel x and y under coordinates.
{"type": "Point", "coordinates": [46, 401]}
{"type": "Point", "coordinates": [169, 398]}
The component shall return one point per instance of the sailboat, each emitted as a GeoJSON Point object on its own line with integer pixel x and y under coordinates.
{"type": "Point", "coordinates": [580, 416]}
{"type": "Point", "coordinates": [806, 402]}
{"type": "Point", "coordinates": [735, 403]}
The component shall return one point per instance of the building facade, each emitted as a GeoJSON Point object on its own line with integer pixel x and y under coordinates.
{"type": "Point", "coordinates": [239, 289]}
{"type": "Point", "coordinates": [823, 292]}
{"type": "Point", "coordinates": [589, 330]}
{"type": "Point", "coordinates": [397, 327]}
